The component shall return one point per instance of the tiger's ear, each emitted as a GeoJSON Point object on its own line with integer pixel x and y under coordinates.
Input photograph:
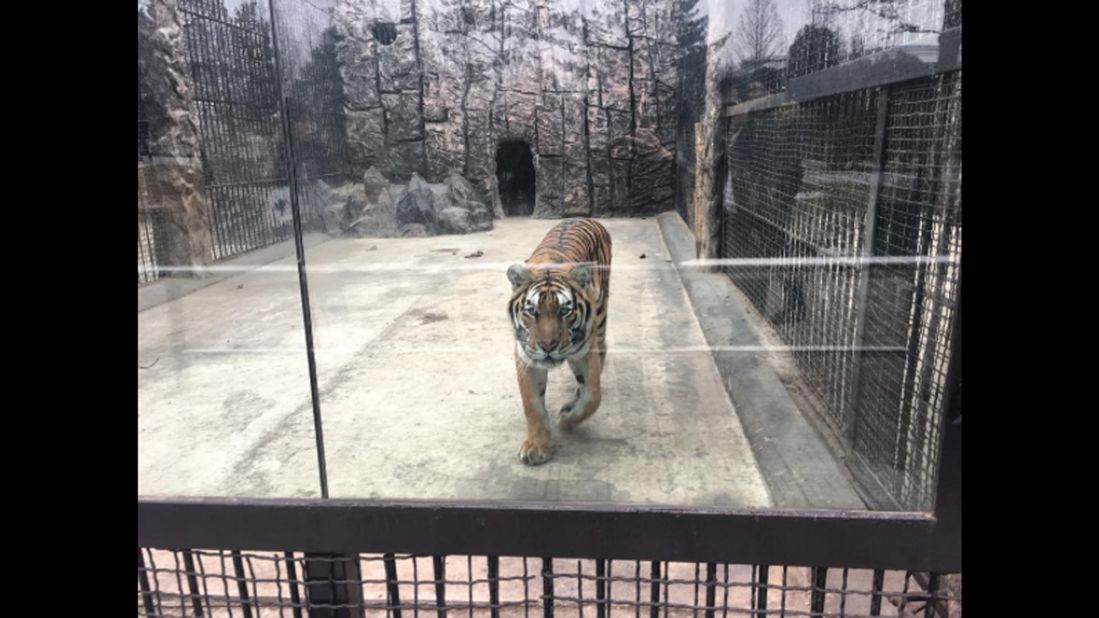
{"type": "Point", "coordinates": [518, 275]}
{"type": "Point", "coordinates": [581, 274]}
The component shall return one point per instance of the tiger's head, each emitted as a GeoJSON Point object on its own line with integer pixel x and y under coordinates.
{"type": "Point", "coordinates": [551, 311]}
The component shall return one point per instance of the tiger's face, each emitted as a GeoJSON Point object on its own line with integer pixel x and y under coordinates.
{"type": "Point", "coordinates": [550, 312]}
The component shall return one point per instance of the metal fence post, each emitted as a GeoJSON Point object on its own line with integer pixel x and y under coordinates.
{"type": "Point", "coordinates": [332, 582]}
{"type": "Point", "coordinates": [143, 584]}
{"type": "Point", "coordinates": [867, 251]}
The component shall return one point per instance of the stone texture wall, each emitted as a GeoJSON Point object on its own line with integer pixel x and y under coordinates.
{"type": "Point", "coordinates": [433, 86]}
{"type": "Point", "coordinates": [172, 179]}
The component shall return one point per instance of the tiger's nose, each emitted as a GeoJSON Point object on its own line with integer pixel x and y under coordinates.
{"type": "Point", "coordinates": [547, 346]}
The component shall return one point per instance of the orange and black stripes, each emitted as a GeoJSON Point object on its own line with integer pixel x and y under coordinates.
{"type": "Point", "coordinates": [577, 241]}
{"type": "Point", "coordinates": [571, 243]}
{"type": "Point", "coordinates": [558, 309]}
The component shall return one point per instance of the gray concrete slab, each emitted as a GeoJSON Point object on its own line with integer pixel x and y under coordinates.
{"type": "Point", "coordinates": [170, 288]}
{"type": "Point", "coordinates": [418, 389]}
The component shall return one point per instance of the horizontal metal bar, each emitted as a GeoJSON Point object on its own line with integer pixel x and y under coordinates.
{"type": "Point", "coordinates": [199, 15]}
{"type": "Point", "coordinates": [758, 105]}
{"type": "Point", "coordinates": [898, 64]}
{"type": "Point", "coordinates": [861, 539]}
{"type": "Point", "coordinates": [246, 183]}
{"type": "Point", "coordinates": [271, 109]}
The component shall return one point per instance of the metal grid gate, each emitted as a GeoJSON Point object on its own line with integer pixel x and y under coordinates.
{"type": "Point", "coordinates": [147, 262]}
{"type": "Point", "coordinates": [147, 269]}
{"type": "Point", "coordinates": [150, 252]}
{"type": "Point", "coordinates": [844, 227]}
{"type": "Point", "coordinates": [236, 98]}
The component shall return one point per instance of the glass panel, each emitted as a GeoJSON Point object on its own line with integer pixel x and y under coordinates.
{"type": "Point", "coordinates": [682, 252]}
{"type": "Point", "coordinates": [223, 387]}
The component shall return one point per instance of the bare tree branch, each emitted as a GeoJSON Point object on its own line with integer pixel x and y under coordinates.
{"type": "Point", "coordinates": [759, 34]}
{"type": "Point", "coordinates": [885, 9]}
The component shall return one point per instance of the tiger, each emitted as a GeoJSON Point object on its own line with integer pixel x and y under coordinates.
{"type": "Point", "coordinates": [558, 311]}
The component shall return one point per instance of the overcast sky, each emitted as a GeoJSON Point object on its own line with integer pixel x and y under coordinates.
{"type": "Point", "coordinates": [724, 15]}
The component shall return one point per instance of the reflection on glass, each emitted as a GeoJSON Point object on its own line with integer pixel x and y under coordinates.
{"type": "Point", "coordinates": [223, 387]}
{"type": "Point", "coordinates": [783, 226]}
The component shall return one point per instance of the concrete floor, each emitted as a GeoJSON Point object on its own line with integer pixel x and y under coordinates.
{"type": "Point", "coordinates": [418, 390]}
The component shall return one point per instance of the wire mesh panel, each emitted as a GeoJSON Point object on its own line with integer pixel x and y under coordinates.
{"type": "Point", "coordinates": [844, 213]}
{"type": "Point", "coordinates": [237, 583]}
{"type": "Point", "coordinates": [910, 304]}
{"type": "Point", "coordinates": [799, 178]}
{"type": "Point", "coordinates": [147, 270]}
{"type": "Point", "coordinates": [235, 94]}
{"type": "Point", "coordinates": [869, 324]}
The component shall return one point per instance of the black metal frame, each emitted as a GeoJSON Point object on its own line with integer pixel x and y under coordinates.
{"type": "Point", "coordinates": [899, 64]}
{"type": "Point", "coordinates": [857, 539]}
{"type": "Point", "coordinates": [862, 539]}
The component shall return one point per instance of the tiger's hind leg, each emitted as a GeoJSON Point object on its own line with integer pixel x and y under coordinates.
{"type": "Point", "coordinates": [588, 372]}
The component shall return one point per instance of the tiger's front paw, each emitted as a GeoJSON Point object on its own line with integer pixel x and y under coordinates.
{"type": "Point", "coordinates": [534, 453]}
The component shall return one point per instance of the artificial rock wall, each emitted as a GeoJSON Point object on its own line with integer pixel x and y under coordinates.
{"type": "Point", "coordinates": [434, 86]}
{"type": "Point", "coordinates": [171, 180]}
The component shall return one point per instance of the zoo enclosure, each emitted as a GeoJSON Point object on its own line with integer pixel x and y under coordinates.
{"type": "Point", "coordinates": [287, 557]}
{"type": "Point", "coordinates": [842, 225]}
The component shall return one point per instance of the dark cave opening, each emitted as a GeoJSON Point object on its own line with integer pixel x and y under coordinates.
{"type": "Point", "coordinates": [384, 32]}
{"type": "Point", "coordinates": [515, 173]}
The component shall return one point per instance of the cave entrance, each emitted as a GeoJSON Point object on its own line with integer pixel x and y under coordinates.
{"type": "Point", "coordinates": [515, 173]}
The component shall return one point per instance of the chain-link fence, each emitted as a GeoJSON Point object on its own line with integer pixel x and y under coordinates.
{"type": "Point", "coordinates": [909, 303]}
{"type": "Point", "coordinates": [229, 583]}
{"type": "Point", "coordinates": [843, 227]}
